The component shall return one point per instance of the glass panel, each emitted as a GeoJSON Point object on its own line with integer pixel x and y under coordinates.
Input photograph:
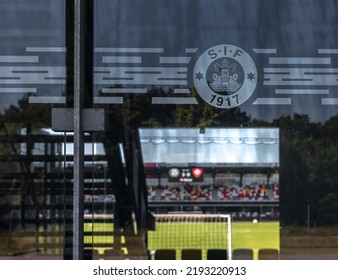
{"type": "Point", "coordinates": [33, 177]}
{"type": "Point", "coordinates": [204, 77]}
{"type": "Point", "coordinates": [188, 66]}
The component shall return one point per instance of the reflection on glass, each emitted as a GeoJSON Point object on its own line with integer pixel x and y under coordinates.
{"type": "Point", "coordinates": [166, 66]}
{"type": "Point", "coordinates": [155, 66]}
{"type": "Point", "coordinates": [32, 177]}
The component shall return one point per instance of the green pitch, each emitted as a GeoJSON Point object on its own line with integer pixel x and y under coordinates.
{"type": "Point", "coordinates": [256, 236]}
{"type": "Point", "coordinates": [201, 236]}
{"type": "Point", "coordinates": [213, 236]}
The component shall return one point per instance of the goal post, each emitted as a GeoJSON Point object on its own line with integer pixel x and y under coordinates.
{"type": "Point", "coordinates": [229, 239]}
{"type": "Point", "coordinates": [191, 231]}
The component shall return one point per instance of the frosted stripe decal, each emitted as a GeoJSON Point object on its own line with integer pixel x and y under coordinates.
{"type": "Point", "coordinates": [174, 100]}
{"type": "Point", "coordinates": [47, 99]}
{"type": "Point", "coordinates": [329, 101]}
{"type": "Point", "coordinates": [300, 76]}
{"type": "Point", "coordinates": [18, 90]}
{"type": "Point", "coordinates": [124, 90]}
{"type": "Point", "coordinates": [136, 70]}
{"type": "Point", "coordinates": [129, 50]}
{"type": "Point", "coordinates": [266, 51]}
{"type": "Point", "coordinates": [181, 90]}
{"type": "Point", "coordinates": [32, 75]}
{"type": "Point", "coordinates": [46, 49]}
{"type": "Point", "coordinates": [272, 101]}
{"type": "Point", "coordinates": [302, 91]}
{"type": "Point", "coordinates": [140, 75]}
{"type": "Point", "coordinates": [304, 70]}
{"type": "Point", "coordinates": [131, 79]}
{"type": "Point", "coordinates": [108, 100]}
{"type": "Point", "coordinates": [122, 59]}
{"type": "Point", "coordinates": [19, 59]}
{"type": "Point", "coordinates": [173, 60]}
{"type": "Point", "coordinates": [328, 51]}
{"type": "Point", "coordinates": [299, 60]}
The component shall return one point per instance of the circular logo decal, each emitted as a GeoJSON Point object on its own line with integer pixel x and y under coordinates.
{"type": "Point", "coordinates": [225, 76]}
{"type": "Point", "coordinates": [174, 172]}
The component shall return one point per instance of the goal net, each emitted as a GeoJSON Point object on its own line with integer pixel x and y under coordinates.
{"type": "Point", "coordinates": [191, 231]}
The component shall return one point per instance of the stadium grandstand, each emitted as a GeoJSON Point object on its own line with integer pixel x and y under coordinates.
{"type": "Point", "coordinates": [240, 171]}
{"type": "Point", "coordinates": [213, 181]}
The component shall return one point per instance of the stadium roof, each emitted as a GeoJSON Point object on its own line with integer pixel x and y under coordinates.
{"type": "Point", "coordinates": [214, 147]}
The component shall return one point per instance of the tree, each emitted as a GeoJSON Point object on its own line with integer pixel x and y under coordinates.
{"type": "Point", "coordinates": [323, 171]}
{"type": "Point", "coordinates": [203, 115]}
{"type": "Point", "coordinates": [28, 119]}
{"type": "Point", "coordinates": [296, 150]}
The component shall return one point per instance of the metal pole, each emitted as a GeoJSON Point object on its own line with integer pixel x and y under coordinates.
{"type": "Point", "coordinates": [229, 238]}
{"type": "Point", "coordinates": [308, 218]}
{"type": "Point", "coordinates": [78, 227]}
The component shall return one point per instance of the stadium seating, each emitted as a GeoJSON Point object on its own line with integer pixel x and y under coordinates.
{"type": "Point", "coordinates": [191, 254]}
{"type": "Point", "coordinates": [196, 192]}
{"type": "Point", "coordinates": [242, 254]}
{"type": "Point", "coordinates": [268, 254]}
{"type": "Point", "coordinates": [252, 192]}
{"type": "Point", "coordinates": [217, 254]}
{"type": "Point", "coordinates": [170, 193]}
{"type": "Point", "coordinates": [151, 192]}
{"type": "Point", "coordinates": [276, 192]}
{"type": "Point", "coordinates": [227, 193]}
{"type": "Point", "coordinates": [165, 254]}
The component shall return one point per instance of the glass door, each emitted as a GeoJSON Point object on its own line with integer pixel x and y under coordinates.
{"type": "Point", "coordinates": [35, 177]}
{"type": "Point", "coordinates": [241, 91]}
{"type": "Point", "coordinates": [220, 117]}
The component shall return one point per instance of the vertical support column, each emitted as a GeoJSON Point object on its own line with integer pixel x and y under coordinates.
{"type": "Point", "coordinates": [78, 226]}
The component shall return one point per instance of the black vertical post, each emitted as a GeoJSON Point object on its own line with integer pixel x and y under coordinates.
{"type": "Point", "coordinates": [68, 230]}
{"type": "Point", "coordinates": [79, 37]}
{"type": "Point", "coordinates": [78, 227]}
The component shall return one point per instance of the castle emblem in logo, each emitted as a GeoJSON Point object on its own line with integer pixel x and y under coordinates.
{"type": "Point", "coordinates": [225, 76]}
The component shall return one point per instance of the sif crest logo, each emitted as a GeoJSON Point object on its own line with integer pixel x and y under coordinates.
{"type": "Point", "coordinates": [225, 76]}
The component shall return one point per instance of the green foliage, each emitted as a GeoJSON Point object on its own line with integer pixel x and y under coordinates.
{"type": "Point", "coordinates": [309, 162]}
{"type": "Point", "coordinates": [308, 150]}
{"type": "Point", "coordinates": [26, 115]}
{"type": "Point", "coordinates": [24, 119]}
{"type": "Point", "coordinates": [204, 115]}
{"type": "Point", "coordinates": [328, 208]}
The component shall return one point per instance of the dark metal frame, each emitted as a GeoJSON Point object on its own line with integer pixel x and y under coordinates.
{"type": "Point", "coordinates": [79, 41]}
